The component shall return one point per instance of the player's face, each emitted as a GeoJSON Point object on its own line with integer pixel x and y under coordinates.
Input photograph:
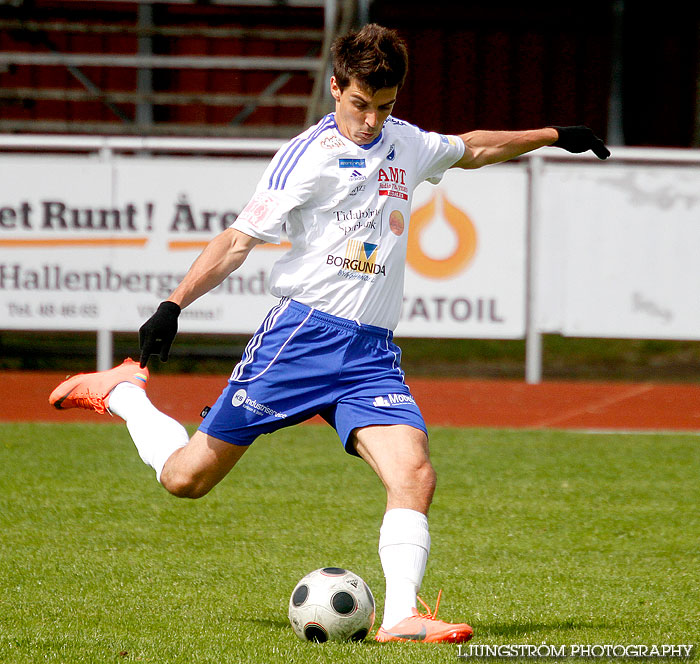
{"type": "Point", "coordinates": [359, 114]}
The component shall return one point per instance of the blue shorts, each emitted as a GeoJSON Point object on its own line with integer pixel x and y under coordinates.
{"type": "Point", "coordinates": [302, 362]}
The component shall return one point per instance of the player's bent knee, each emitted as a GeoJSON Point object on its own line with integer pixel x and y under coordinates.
{"type": "Point", "coordinates": [428, 479]}
{"type": "Point", "coordinates": [422, 474]}
{"type": "Point", "coordinates": [419, 481]}
{"type": "Point", "coordinates": [185, 485]}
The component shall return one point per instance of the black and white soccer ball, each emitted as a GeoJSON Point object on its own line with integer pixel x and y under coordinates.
{"type": "Point", "coordinates": [331, 604]}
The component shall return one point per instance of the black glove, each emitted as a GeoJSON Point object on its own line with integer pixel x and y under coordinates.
{"type": "Point", "coordinates": [157, 333]}
{"type": "Point", "coordinates": [579, 139]}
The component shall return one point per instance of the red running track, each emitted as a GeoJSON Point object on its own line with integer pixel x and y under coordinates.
{"type": "Point", "coordinates": [448, 402]}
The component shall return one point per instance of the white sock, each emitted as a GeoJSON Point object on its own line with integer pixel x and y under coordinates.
{"type": "Point", "coordinates": [155, 435]}
{"type": "Point", "coordinates": [404, 544]}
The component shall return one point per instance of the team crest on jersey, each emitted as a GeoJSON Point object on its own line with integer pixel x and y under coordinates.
{"type": "Point", "coordinates": [392, 153]}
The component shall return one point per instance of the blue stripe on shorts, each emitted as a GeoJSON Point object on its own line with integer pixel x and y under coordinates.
{"type": "Point", "coordinates": [302, 362]}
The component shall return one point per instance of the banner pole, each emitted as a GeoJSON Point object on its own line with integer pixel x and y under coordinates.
{"type": "Point", "coordinates": [533, 337]}
{"type": "Point", "coordinates": [105, 350]}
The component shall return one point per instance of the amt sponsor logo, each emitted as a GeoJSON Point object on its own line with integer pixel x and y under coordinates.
{"type": "Point", "coordinates": [392, 182]}
{"type": "Point", "coordinates": [397, 175]}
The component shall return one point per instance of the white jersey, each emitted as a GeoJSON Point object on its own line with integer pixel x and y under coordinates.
{"type": "Point", "coordinates": [346, 209]}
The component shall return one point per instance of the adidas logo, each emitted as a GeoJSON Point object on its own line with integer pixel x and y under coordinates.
{"type": "Point", "coordinates": [356, 175]}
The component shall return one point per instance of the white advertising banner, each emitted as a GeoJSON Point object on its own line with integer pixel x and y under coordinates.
{"type": "Point", "coordinates": [465, 274]}
{"type": "Point", "coordinates": [96, 245]}
{"type": "Point", "coordinates": [619, 250]}
{"type": "Point", "coordinates": [91, 244]}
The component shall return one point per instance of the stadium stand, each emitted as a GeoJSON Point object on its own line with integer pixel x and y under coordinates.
{"type": "Point", "coordinates": [224, 68]}
{"type": "Point", "coordinates": [258, 68]}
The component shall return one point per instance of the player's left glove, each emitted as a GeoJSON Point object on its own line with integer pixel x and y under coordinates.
{"type": "Point", "coordinates": [157, 333]}
{"type": "Point", "coordinates": [580, 139]}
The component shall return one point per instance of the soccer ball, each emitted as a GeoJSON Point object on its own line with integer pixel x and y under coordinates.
{"type": "Point", "coordinates": [331, 604]}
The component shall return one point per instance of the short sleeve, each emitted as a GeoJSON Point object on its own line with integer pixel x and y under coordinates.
{"type": "Point", "coordinates": [438, 153]}
{"type": "Point", "coordinates": [287, 183]}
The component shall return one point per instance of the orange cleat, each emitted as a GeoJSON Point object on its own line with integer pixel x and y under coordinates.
{"type": "Point", "coordinates": [427, 628]}
{"type": "Point", "coordinates": [91, 391]}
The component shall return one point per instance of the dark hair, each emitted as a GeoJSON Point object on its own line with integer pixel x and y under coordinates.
{"type": "Point", "coordinates": [375, 56]}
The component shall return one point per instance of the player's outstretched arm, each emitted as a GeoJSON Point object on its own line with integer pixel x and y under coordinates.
{"type": "Point", "coordinates": [490, 147]}
{"type": "Point", "coordinates": [224, 254]}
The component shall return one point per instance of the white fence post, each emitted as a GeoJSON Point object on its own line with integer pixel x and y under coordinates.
{"type": "Point", "coordinates": [105, 350]}
{"type": "Point", "coordinates": [533, 337]}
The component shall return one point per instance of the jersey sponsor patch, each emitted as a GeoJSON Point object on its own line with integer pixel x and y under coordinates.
{"type": "Point", "coordinates": [350, 221]}
{"type": "Point", "coordinates": [392, 182]}
{"type": "Point", "coordinates": [351, 163]}
{"type": "Point", "coordinates": [241, 398]}
{"type": "Point", "coordinates": [258, 210]}
{"type": "Point", "coordinates": [359, 262]}
{"type": "Point", "coordinates": [448, 140]}
{"type": "Point", "coordinates": [396, 222]}
{"type": "Point", "coordinates": [389, 400]}
{"type": "Point", "coordinates": [362, 250]}
{"type": "Point", "coordinates": [332, 143]}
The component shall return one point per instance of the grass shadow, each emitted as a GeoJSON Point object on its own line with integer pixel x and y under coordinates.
{"type": "Point", "coordinates": [267, 622]}
{"type": "Point", "coordinates": [514, 629]}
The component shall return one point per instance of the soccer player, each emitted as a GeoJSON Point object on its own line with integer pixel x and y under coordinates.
{"type": "Point", "coordinates": [341, 191]}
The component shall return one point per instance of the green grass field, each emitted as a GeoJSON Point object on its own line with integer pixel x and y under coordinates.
{"type": "Point", "coordinates": [552, 537]}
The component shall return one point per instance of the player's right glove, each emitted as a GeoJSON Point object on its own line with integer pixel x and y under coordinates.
{"type": "Point", "coordinates": [157, 333]}
{"type": "Point", "coordinates": [580, 139]}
